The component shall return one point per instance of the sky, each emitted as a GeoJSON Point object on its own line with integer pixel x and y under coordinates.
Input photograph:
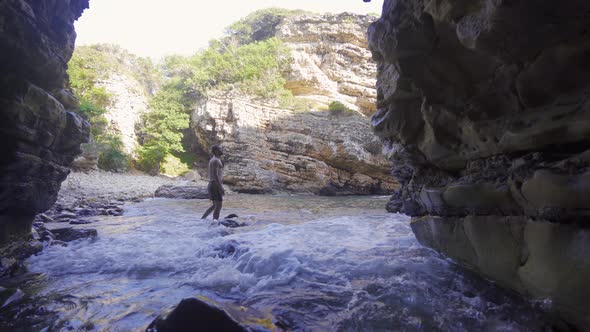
{"type": "Point", "coordinates": [154, 28]}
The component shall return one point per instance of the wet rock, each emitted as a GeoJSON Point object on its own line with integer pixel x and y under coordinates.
{"type": "Point", "coordinates": [232, 223]}
{"type": "Point", "coordinates": [182, 192]}
{"type": "Point", "coordinates": [72, 234]}
{"type": "Point", "coordinates": [204, 314]}
{"type": "Point", "coordinates": [541, 259]}
{"type": "Point", "coordinates": [80, 222]}
{"type": "Point", "coordinates": [192, 314]}
{"type": "Point", "coordinates": [10, 296]}
{"type": "Point", "coordinates": [44, 218]}
{"type": "Point", "coordinates": [66, 215]}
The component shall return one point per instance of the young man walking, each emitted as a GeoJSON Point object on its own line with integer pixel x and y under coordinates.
{"type": "Point", "coordinates": [215, 187]}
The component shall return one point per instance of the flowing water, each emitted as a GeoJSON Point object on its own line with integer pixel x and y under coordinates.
{"type": "Point", "coordinates": [313, 263]}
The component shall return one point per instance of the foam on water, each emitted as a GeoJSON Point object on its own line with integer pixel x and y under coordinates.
{"type": "Point", "coordinates": [345, 265]}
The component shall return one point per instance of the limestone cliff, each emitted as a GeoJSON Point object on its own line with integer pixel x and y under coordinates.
{"type": "Point", "coordinates": [130, 81]}
{"type": "Point", "coordinates": [270, 149]}
{"type": "Point", "coordinates": [331, 60]}
{"type": "Point", "coordinates": [273, 149]}
{"type": "Point", "coordinates": [39, 135]}
{"type": "Point", "coordinates": [484, 110]}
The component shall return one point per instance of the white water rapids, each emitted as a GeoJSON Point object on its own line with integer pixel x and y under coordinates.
{"type": "Point", "coordinates": [314, 263]}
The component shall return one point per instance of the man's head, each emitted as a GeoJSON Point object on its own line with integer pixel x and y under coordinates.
{"type": "Point", "coordinates": [216, 150]}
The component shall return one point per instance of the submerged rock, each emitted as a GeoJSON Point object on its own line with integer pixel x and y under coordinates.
{"type": "Point", "coordinates": [72, 234]}
{"type": "Point", "coordinates": [232, 221]}
{"type": "Point", "coordinates": [182, 192]}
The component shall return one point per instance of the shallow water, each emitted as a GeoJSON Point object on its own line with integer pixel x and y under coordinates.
{"type": "Point", "coordinates": [313, 263]}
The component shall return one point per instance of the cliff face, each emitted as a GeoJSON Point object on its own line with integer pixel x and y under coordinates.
{"type": "Point", "coordinates": [39, 135]}
{"type": "Point", "coordinates": [331, 60]}
{"type": "Point", "coordinates": [484, 109]}
{"type": "Point", "coordinates": [269, 149]}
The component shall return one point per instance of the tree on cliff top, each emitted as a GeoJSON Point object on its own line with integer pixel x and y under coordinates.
{"type": "Point", "coordinates": [258, 26]}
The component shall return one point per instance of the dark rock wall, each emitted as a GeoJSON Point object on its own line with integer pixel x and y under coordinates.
{"type": "Point", "coordinates": [484, 108]}
{"type": "Point", "coordinates": [39, 135]}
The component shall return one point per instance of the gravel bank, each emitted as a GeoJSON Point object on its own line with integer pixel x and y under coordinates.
{"type": "Point", "coordinates": [123, 186]}
{"type": "Point", "coordinates": [104, 193]}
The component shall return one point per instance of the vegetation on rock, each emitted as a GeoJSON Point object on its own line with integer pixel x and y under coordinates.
{"type": "Point", "coordinates": [238, 62]}
{"type": "Point", "coordinates": [248, 60]}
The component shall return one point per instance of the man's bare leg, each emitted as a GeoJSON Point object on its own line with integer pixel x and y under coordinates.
{"type": "Point", "coordinates": [209, 210]}
{"type": "Point", "coordinates": [217, 205]}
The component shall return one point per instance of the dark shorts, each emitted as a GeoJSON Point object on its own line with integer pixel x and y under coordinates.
{"type": "Point", "coordinates": [214, 192]}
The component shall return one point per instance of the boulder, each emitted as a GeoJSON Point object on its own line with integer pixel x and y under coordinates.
{"type": "Point", "coordinates": [182, 192]}
{"type": "Point", "coordinates": [71, 234]}
{"type": "Point", "coordinates": [204, 314]}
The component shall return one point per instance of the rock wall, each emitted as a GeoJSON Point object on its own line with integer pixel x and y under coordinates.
{"type": "Point", "coordinates": [331, 59]}
{"type": "Point", "coordinates": [270, 150]}
{"type": "Point", "coordinates": [129, 102]}
{"type": "Point", "coordinates": [40, 136]}
{"type": "Point", "coordinates": [483, 107]}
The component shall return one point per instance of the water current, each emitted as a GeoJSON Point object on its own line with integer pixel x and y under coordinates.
{"type": "Point", "coordinates": [313, 263]}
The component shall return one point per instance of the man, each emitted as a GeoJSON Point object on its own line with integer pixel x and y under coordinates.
{"type": "Point", "coordinates": [215, 187]}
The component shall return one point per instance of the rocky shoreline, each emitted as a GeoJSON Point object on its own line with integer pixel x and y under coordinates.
{"type": "Point", "coordinates": [96, 193]}
{"type": "Point", "coordinates": [83, 196]}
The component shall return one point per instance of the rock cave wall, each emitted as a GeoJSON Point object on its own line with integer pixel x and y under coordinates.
{"type": "Point", "coordinates": [40, 136]}
{"type": "Point", "coordinates": [483, 107]}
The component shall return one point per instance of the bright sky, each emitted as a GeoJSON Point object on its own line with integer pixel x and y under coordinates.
{"type": "Point", "coordinates": [158, 27]}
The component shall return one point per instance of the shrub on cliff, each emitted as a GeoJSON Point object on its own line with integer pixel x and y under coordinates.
{"type": "Point", "coordinates": [337, 107]}
{"type": "Point", "coordinates": [258, 26]}
{"type": "Point", "coordinates": [111, 156]}
{"type": "Point", "coordinates": [254, 68]}
{"type": "Point", "coordinates": [161, 132]}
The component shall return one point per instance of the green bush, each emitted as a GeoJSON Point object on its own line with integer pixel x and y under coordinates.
{"type": "Point", "coordinates": [150, 157]}
{"type": "Point", "coordinates": [111, 156]}
{"type": "Point", "coordinates": [258, 26]}
{"type": "Point", "coordinates": [173, 166]}
{"type": "Point", "coordinates": [337, 107]}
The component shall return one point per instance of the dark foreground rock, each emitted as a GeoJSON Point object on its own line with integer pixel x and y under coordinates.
{"type": "Point", "coordinates": [194, 314]}
{"type": "Point", "coordinates": [13, 255]}
{"type": "Point", "coordinates": [72, 234]}
{"type": "Point", "coordinates": [232, 221]}
{"type": "Point", "coordinates": [182, 192]}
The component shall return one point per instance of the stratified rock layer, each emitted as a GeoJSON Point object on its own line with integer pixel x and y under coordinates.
{"type": "Point", "coordinates": [331, 59]}
{"type": "Point", "coordinates": [270, 149]}
{"type": "Point", "coordinates": [484, 109]}
{"type": "Point", "coordinates": [39, 136]}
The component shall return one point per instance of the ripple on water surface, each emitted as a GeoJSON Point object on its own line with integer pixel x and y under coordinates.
{"type": "Point", "coordinates": [316, 263]}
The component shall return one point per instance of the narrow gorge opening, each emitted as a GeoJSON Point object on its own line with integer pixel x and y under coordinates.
{"type": "Point", "coordinates": [480, 113]}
